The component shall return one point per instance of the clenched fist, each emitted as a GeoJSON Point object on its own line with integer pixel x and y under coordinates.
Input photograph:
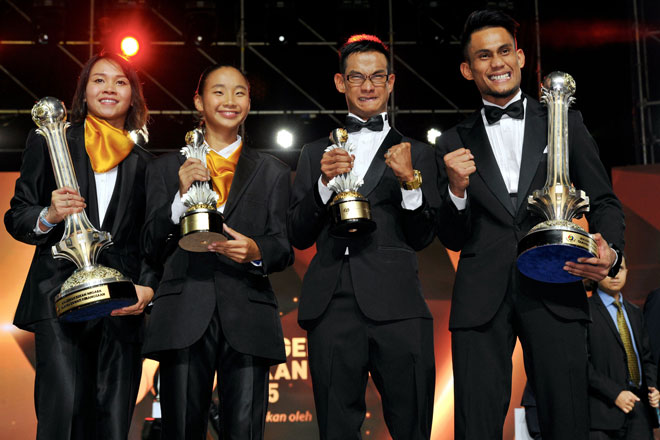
{"type": "Point", "coordinates": [459, 164]}
{"type": "Point", "coordinates": [398, 158]}
{"type": "Point", "coordinates": [191, 171]}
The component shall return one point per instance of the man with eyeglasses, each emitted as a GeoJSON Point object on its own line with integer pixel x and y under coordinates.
{"type": "Point", "coordinates": [361, 301]}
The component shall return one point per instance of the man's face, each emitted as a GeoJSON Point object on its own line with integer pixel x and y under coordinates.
{"type": "Point", "coordinates": [367, 99]}
{"type": "Point", "coordinates": [612, 286]}
{"type": "Point", "coordinates": [494, 64]}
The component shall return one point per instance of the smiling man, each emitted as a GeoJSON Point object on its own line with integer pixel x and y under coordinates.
{"type": "Point", "coordinates": [488, 166]}
{"type": "Point", "coordinates": [361, 301]}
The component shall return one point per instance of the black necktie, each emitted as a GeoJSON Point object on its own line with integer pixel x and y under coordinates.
{"type": "Point", "coordinates": [375, 123]}
{"type": "Point", "coordinates": [514, 110]}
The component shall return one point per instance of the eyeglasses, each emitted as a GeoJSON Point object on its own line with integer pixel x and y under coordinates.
{"type": "Point", "coordinates": [377, 79]}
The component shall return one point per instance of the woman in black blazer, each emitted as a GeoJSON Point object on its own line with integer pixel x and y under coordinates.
{"type": "Point", "coordinates": [87, 374]}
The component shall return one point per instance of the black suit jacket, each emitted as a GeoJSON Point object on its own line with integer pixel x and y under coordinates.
{"type": "Point", "coordinates": [489, 229]}
{"type": "Point", "coordinates": [194, 284]}
{"type": "Point", "coordinates": [652, 319]}
{"type": "Point", "coordinates": [384, 263]}
{"type": "Point", "coordinates": [123, 219]}
{"type": "Point", "coordinates": [608, 369]}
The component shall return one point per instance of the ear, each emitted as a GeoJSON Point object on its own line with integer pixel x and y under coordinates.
{"type": "Point", "coordinates": [466, 71]}
{"type": "Point", "coordinates": [199, 105]}
{"type": "Point", "coordinates": [339, 83]}
{"type": "Point", "coordinates": [521, 58]}
{"type": "Point", "coordinates": [390, 83]}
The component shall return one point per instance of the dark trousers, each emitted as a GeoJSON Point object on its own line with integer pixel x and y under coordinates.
{"type": "Point", "coordinates": [186, 377]}
{"type": "Point", "coordinates": [555, 357]}
{"type": "Point", "coordinates": [345, 346]}
{"type": "Point", "coordinates": [86, 381]}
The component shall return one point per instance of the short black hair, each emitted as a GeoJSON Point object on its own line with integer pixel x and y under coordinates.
{"type": "Point", "coordinates": [359, 44]}
{"type": "Point", "coordinates": [484, 19]}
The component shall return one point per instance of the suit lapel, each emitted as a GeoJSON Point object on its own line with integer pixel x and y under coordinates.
{"type": "Point", "coordinates": [246, 168]}
{"type": "Point", "coordinates": [378, 166]}
{"type": "Point", "coordinates": [84, 173]}
{"type": "Point", "coordinates": [534, 142]}
{"type": "Point", "coordinates": [475, 138]}
{"type": "Point", "coordinates": [608, 318]}
{"type": "Point", "coordinates": [125, 180]}
{"type": "Point", "coordinates": [635, 322]}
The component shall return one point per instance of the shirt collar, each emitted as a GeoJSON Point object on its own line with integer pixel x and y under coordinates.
{"type": "Point", "coordinates": [608, 300]}
{"type": "Point", "coordinates": [228, 150]}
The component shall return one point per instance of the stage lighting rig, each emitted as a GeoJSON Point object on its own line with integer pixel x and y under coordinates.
{"type": "Point", "coordinates": [282, 23]}
{"type": "Point", "coordinates": [200, 23]}
{"type": "Point", "coordinates": [48, 20]}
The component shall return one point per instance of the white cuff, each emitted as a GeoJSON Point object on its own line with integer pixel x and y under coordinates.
{"type": "Point", "coordinates": [178, 208]}
{"type": "Point", "coordinates": [459, 202]}
{"type": "Point", "coordinates": [324, 191]}
{"type": "Point", "coordinates": [411, 199]}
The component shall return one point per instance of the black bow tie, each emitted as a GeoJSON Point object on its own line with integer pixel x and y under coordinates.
{"type": "Point", "coordinates": [375, 123]}
{"type": "Point", "coordinates": [514, 110]}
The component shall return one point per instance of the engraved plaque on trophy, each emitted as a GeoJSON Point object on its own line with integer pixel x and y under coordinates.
{"type": "Point", "coordinates": [92, 290]}
{"type": "Point", "coordinates": [201, 224]}
{"type": "Point", "coordinates": [548, 245]}
{"type": "Point", "coordinates": [350, 211]}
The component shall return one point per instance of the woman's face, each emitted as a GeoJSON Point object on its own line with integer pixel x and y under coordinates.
{"type": "Point", "coordinates": [225, 100]}
{"type": "Point", "coordinates": [108, 92]}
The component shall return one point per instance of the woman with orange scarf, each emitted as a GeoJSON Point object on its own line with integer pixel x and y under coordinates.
{"type": "Point", "coordinates": [87, 374]}
{"type": "Point", "coordinates": [215, 311]}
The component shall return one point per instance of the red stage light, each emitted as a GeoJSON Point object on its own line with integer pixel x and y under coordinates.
{"type": "Point", "coordinates": [130, 46]}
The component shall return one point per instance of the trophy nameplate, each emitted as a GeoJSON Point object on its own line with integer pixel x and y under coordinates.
{"type": "Point", "coordinates": [543, 252]}
{"type": "Point", "coordinates": [202, 223]}
{"type": "Point", "coordinates": [93, 290]}
{"type": "Point", "coordinates": [350, 211]}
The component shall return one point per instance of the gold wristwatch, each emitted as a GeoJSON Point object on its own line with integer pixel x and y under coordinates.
{"type": "Point", "coordinates": [413, 184]}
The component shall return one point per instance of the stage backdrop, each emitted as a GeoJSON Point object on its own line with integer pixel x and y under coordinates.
{"type": "Point", "coordinates": [291, 411]}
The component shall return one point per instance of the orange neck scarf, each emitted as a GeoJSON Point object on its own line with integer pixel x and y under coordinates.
{"type": "Point", "coordinates": [222, 172]}
{"type": "Point", "coordinates": [106, 145]}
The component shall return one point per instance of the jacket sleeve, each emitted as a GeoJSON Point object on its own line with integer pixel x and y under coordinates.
{"type": "Point", "coordinates": [32, 192]}
{"type": "Point", "coordinates": [419, 225]}
{"type": "Point", "coordinates": [276, 252]}
{"type": "Point", "coordinates": [453, 227]}
{"type": "Point", "coordinates": [307, 213]}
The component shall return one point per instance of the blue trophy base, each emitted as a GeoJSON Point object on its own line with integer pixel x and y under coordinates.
{"type": "Point", "coordinates": [543, 252]}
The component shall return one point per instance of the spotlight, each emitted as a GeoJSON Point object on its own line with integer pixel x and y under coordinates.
{"type": "Point", "coordinates": [282, 24]}
{"type": "Point", "coordinates": [130, 46]}
{"type": "Point", "coordinates": [284, 138]}
{"type": "Point", "coordinates": [432, 135]}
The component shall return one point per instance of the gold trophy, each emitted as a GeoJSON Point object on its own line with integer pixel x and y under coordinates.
{"type": "Point", "coordinates": [201, 224]}
{"type": "Point", "coordinates": [548, 245]}
{"type": "Point", "coordinates": [92, 290]}
{"type": "Point", "coordinates": [349, 210]}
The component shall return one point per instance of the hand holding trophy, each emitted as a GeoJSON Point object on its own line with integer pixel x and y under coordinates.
{"type": "Point", "coordinates": [92, 290]}
{"type": "Point", "coordinates": [201, 224]}
{"type": "Point", "coordinates": [548, 245]}
{"type": "Point", "coordinates": [349, 210]}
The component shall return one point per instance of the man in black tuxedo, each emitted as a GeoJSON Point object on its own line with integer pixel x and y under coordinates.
{"type": "Point", "coordinates": [361, 301]}
{"type": "Point", "coordinates": [488, 167]}
{"type": "Point", "coordinates": [622, 379]}
{"type": "Point", "coordinates": [652, 318]}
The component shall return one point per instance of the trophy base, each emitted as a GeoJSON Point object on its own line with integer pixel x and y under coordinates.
{"type": "Point", "coordinates": [351, 216]}
{"type": "Point", "coordinates": [543, 252]}
{"type": "Point", "coordinates": [200, 228]}
{"type": "Point", "coordinates": [91, 293]}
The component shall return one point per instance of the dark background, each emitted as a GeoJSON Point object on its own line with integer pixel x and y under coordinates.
{"type": "Point", "coordinates": [592, 40]}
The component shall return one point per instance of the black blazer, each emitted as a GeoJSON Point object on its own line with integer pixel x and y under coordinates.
{"type": "Point", "coordinates": [383, 264]}
{"type": "Point", "coordinates": [194, 284]}
{"type": "Point", "coordinates": [488, 230]}
{"type": "Point", "coordinates": [608, 369]}
{"type": "Point", "coordinates": [123, 219]}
